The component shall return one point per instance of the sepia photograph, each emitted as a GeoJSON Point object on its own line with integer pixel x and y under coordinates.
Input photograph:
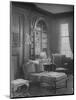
{"type": "Point", "coordinates": [41, 49]}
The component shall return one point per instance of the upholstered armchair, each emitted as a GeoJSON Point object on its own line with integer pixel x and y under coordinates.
{"type": "Point", "coordinates": [59, 61]}
{"type": "Point", "coordinates": [63, 64]}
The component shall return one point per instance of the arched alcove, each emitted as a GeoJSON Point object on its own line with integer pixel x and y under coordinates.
{"type": "Point", "coordinates": [39, 38]}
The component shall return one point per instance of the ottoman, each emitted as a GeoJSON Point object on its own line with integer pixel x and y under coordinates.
{"type": "Point", "coordinates": [18, 86]}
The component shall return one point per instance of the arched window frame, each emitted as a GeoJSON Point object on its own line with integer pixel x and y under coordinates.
{"type": "Point", "coordinates": [34, 29]}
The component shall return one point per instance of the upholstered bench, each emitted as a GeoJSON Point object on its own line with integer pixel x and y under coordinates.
{"type": "Point", "coordinates": [55, 80]}
{"type": "Point", "coordinates": [18, 86]}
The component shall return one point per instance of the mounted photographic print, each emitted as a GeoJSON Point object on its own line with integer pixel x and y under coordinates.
{"type": "Point", "coordinates": [41, 49]}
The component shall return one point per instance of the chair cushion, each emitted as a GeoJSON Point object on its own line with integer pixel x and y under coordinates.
{"type": "Point", "coordinates": [61, 68]}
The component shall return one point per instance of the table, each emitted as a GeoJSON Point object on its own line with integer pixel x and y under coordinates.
{"type": "Point", "coordinates": [49, 67]}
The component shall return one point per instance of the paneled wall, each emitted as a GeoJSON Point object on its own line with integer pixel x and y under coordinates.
{"type": "Point", "coordinates": [19, 50]}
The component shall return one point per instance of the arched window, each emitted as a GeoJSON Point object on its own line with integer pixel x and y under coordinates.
{"type": "Point", "coordinates": [39, 38]}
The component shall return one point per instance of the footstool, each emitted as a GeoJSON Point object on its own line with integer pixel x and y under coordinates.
{"type": "Point", "coordinates": [17, 84]}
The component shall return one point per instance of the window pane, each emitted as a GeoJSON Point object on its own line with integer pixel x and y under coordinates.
{"type": "Point", "coordinates": [64, 30]}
